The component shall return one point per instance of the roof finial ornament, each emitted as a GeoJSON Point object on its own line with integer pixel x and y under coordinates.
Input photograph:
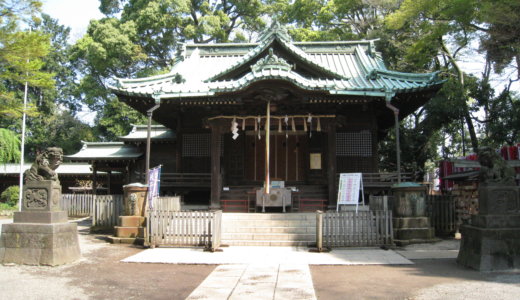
{"type": "Point", "coordinates": [276, 29]}
{"type": "Point", "coordinates": [271, 61]}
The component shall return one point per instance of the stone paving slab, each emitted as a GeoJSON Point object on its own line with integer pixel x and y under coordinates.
{"type": "Point", "coordinates": [274, 255]}
{"type": "Point", "coordinates": [254, 284]}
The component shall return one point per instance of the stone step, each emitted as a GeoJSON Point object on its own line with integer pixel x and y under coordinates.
{"type": "Point", "coordinates": [270, 229]}
{"type": "Point", "coordinates": [267, 223]}
{"type": "Point", "coordinates": [268, 216]}
{"type": "Point", "coordinates": [269, 243]}
{"type": "Point", "coordinates": [129, 232]}
{"type": "Point", "coordinates": [269, 236]}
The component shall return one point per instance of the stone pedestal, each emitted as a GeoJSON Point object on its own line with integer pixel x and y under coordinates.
{"type": "Point", "coordinates": [491, 242]}
{"type": "Point", "coordinates": [131, 229]}
{"type": "Point", "coordinates": [40, 234]}
{"type": "Point", "coordinates": [409, 215]}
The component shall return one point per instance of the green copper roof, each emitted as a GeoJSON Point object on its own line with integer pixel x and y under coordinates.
{"type": "Point", "coordinates": [340, 68]}
{"type": "Point", "coordinates": [157, 133]}
{"type": "Point", "coordinates": [106, 151]}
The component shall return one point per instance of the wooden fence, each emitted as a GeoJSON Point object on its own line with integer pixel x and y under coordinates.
{"type": "Point", "coordinates": [348, 228]}
{"type": "Point", "coordinates": [185, 228]}
{"type": "Point", "coordinates": [77, 205]}
{"type": "Point", "coordinates": [441, 210]}
{"type": "Point", "coordinates": [167, 203]}
{"type": "Point", "coordinates": [106, 210]}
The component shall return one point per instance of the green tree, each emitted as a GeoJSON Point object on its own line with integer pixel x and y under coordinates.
{"type": "Point", "coordinates": [142, 38]}
{"type": "Point", "coordinates": [55, 124]}
{"type": "Point", "coordinates": [437, 22]}
{"type": "Point", "coordinates": [9, 146]}
{"type": "Point", "coordinates": [115, 120]}
{"type": "Point", "coordinates": [21, 54]}
{"type": "Point", "coordinates": [10, 195]}
{"type": "Point", "coordinates": [502, 34]}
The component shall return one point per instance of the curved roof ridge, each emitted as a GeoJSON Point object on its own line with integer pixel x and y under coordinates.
{"type": "Point", "coordinates": [272, 73]}
{"type": "Point", "coordinates": [263, 46]}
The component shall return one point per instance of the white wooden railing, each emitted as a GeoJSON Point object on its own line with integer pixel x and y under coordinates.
{"type": "Point", "coordinates": [184, 228]}
{"type": "Point", "coordinates": [106, 210]}
{"type": "Point", "coordinates": [77, 205]}
{"type": "Point", "coordinates": [353, 229]}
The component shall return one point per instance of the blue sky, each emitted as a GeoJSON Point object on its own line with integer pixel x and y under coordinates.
{"type": "Point", "coordinates": [75, 14]}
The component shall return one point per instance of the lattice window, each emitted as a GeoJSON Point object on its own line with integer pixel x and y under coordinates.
{"type": "Point", "coordinates": [199, 145]}
{"type": "Point", "coordinates": [354, 143]}
{"type": "Point", "coordinates": [196, 145]}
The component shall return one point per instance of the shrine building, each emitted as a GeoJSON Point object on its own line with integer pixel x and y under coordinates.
{"type": "Point", "coordinates": [275, 113]}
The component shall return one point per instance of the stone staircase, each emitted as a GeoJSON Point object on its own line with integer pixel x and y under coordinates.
{"type": "Point", "coordinates": [268, 229]}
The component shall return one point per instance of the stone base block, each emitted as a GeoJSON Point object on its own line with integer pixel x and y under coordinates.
{"type": "Point", "coordinates": [402, 243]}
{"type": "Point", "coordinates": [412, 222]}
{"type": "Point", "coordinates": [129, 232]}
{"type": "Point", "coordinates": [131, 221]}
{"type": "Point", "coordinates": [496, 221]}
{"type": "Point", "coordinates": [119, 240]}
{"type": "Point", "coordinates": [414, 233]}
{"type": "Point", "coordinates": [45, 217]}
{"type": "Point", "coordinates": [489, 249]}
{"type": "Point", "coordinates": [39, 244]}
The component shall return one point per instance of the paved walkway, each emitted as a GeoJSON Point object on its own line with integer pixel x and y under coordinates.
{"type": "Point", "coordinates": [257, 281]}
{"type": "Point", "coordinates": [269, 255]}
{"type": "Point", "coordinates": [263, 272]}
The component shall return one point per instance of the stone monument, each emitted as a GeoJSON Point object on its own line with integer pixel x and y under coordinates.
{"type": "Point", "coordinates": [40, 233]}
{"type": "Point", "coordinates": [131, 229]}
{"type": "Point", "coordinates": [411, 225]}
{"type": "Point", "coordinates": [491, 241]}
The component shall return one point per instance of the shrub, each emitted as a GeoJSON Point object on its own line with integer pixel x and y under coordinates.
{"type": "Point", "coordinates": [10, 195]}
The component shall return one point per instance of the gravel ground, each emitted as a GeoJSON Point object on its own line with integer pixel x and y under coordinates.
{"type": "Point", "coordinates": [493, 285]}
{"type": "Point", "coordinates": [504, 287]}
{"type": "Point", "coordinates": [100, 275]}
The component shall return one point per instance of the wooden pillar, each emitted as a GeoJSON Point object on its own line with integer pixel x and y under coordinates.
{"type": "Point", "coordinates": [94, 178]}
{"type": "Point", "coordinates": [216, 180]}
{"type": "Point", "coordinates": [331, 163]}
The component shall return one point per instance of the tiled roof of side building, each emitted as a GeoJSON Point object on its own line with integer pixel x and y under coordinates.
{"type": "Point", "coordinates": [157, 133]}
{"type": "Point", "coordinates": [106, 151]}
